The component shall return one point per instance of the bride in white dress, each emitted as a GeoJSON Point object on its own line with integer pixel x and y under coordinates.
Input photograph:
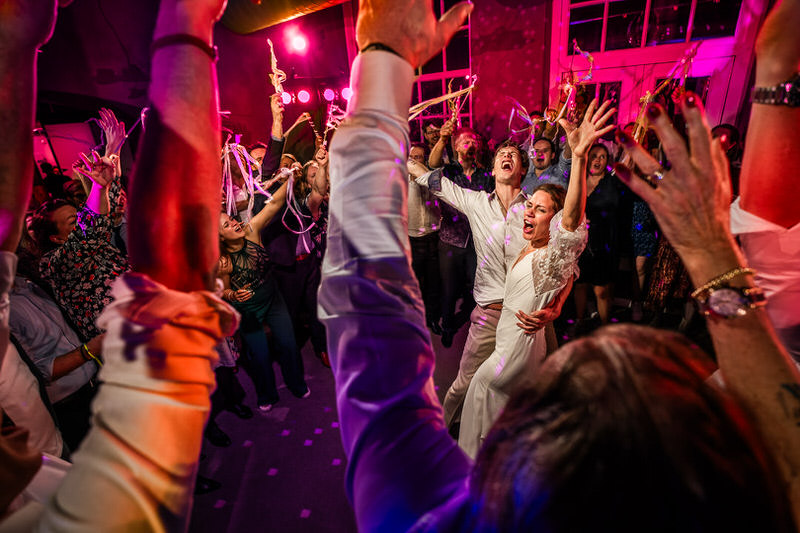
{"type": "Point", "coordinates": [556, 233]}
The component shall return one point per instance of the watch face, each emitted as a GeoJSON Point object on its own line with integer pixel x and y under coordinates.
{"type": "Point", "coordinates": [727, 302]}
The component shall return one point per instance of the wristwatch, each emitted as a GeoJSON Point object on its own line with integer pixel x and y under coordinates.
{"type": "Point", "coordinates": [786, 93]}
{"type": "Point", "coordinates": [730, 302]}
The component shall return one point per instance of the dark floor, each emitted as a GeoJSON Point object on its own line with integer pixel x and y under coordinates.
{"type": "Point", "coordinates": [285, 470]}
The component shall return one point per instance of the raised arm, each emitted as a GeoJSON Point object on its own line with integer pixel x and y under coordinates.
{"type": "Point", "coordinates": [100, 171]}
{"type": "Point", "coordinates": [24, 27]}
{"type": "Point", "coordinates": [267, 213]}
{"type": "Point", "coordinates": [691, 203]}
{"type": "Point", "coordinates": [178, 204]}
{"type": "Point", "coordinates": [402, 462]}
{"type": "Point", "coordinates": [319, 188]}
{"type": "Point", "coordinates": [769, 165]}
{"type": "Point", "coordinates": [441, 187]}
{"type": "Point", "coordinates": [581, 139]}
{"type": "Point", "coordinates": [136, 467]}
{"type": "Point", "coordinates": [436, 157]}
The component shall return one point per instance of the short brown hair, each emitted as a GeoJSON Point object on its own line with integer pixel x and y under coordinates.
{"type": "Point", "coordinates": [523, 155]}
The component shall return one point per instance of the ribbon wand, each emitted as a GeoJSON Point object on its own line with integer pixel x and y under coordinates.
{"type": "Point", "coordinates": [277, 77]}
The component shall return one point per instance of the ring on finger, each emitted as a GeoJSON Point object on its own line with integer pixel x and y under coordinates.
{"type": "Point", "coordinates": [658, 174]}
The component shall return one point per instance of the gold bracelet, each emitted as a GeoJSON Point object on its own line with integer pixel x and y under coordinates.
{"type": "Point", "coordinates": [729, 275]}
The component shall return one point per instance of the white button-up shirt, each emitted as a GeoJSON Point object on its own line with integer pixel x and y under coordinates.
{"type": "Point", "coordinates": [497, 235]}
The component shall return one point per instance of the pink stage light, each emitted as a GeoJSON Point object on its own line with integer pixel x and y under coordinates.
{"type": "Point", "coordinates": [303, 96]}
{"type": "Point", "coordinates": [347, 92]}
{"type": "Point", "coordinates": [299, 43]}
{"type": "Point", "coordinates": [328, 95]}
{"type": "Point", "coordinates": [286, 98]}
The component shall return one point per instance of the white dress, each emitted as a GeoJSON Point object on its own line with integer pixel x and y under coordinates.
{"type": "Point", "coordinates": [531, 284]}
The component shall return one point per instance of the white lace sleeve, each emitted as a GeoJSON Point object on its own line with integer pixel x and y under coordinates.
{"type": "Point", "coordinates": [560, 259]}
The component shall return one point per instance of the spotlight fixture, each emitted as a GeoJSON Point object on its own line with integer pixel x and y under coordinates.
{"type": "Point", "coordinates": [286, 98]}
{"type": "Point", "coordinates": [303, 96]}
{"type": "Point", "coordinates": [346, 93]}
{"type": "Point", "coordinates": [299, 43]}
{"type": "Point", "coordinates": [329, 95]}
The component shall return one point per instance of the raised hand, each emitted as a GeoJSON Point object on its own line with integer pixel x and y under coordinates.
{"type": "Point", "coordinates": [690, 200]}
{"type": "Point", "coordinates": [408, 27]}
{"type": "Point", "coordinates": [581, 138]}
{"type": "Point", "coordinates": [276, 106]}
{"type": "Point", "coordinates": [321, 157]}
{"type": "Point", "coordinates": [101, 170]}
{"type": "Point", "coordinates": [416, 169]}
{"type": "Point", "coordinates": [446, 131]}
{"type": "Point", "coordinates": [113, 129]}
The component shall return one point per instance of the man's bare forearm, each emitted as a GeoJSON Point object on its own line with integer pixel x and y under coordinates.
{"type": "Point", "coordinates": [436, 159]}
{"type": "Point", "coordinates": [175, 190]}
{"type": "Point", "coordinates": [768, 186]}
{"type": "Point", "coordinates": [17, 90]}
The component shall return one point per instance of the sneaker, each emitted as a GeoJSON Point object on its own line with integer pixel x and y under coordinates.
{"type": "Point", "coordinates": [307, 394]}
{"type": "Point", "coordinates": [266, 408]}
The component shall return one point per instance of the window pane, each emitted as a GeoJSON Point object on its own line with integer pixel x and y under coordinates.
{"type": "Point", "coordinates": [434, 65]}
{"type": "Point", "coordinates": [458, 51]}
{"type": "Point", "coordinates": [610, 91]}
{"type": "Point", "coordinates": [668, 21]}
{"type": "Point", "coordinates": [625, 24]}
{"type": "Point", "coordinates": [586, 27]}
{"type": "Point", "coordinates": [715, 18]}
{"type": "Point", "coordinates": [432, 89]}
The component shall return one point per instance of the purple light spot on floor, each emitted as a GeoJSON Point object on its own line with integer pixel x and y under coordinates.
{"type": "Point", "coordinates": [334, 424]}
{"type": "Point", "coordinates": [308, 442]}
{"type": "Point", "coordinates": [565, 337]}
{"type": "Point", "coordinates": [219, 504]}
{"type": "Point", "coordinates": [272, 472]}
{"type": "Point", "coordinates": [318, 431]}
{"type": "Point", "coordinates": [336, 462]}
{"type": "Point", "coordinates": [326, 409]}
{"type": "Point", "coordinates": [285, 432]}
{"type": "Point", "coordinates": [247, 444]}
{"type": "Point", "coordinates": [570, 321]}
{"type": "Point", "coordinates": [614, 320]}
{"type": "Point", "coordinates": [305, 513]}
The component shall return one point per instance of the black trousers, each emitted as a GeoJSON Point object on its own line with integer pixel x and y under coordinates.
{"type": "Point", "coordinates": [457, 267]}
{"type": "Point", "coordinates": [425, 263]}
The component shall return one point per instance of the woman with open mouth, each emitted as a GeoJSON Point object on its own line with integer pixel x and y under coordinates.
{"type": "Point", "coordinates": [555, 229]}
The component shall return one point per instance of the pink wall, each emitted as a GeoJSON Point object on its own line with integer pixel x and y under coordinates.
{"type": "Point", "coordinates": [510, 51]}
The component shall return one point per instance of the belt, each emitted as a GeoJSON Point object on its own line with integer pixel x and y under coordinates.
{"type": "Point", "coordinates": [497, 306]}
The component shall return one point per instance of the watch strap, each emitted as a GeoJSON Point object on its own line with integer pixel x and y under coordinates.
{"type": "Point", "coordinates": [786, 93]}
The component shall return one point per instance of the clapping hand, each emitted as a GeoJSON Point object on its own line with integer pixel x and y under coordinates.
{"type": "Point", "coordinates": [101, 170]}
{"type": "Point", "coordinates": [113, 129]}
{"type": "Point", "coordinates": [581, 138]}
{"type": "Point", "coordinates": [691, 199]}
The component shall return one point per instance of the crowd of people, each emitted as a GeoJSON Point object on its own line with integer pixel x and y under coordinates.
{"type": "Point", "coordinates": [128, 303]}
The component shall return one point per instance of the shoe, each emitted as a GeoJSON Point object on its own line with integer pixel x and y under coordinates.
{"type": "Point", "coordinates": [241, 410]}
{"type": "Point", "coordinates": [434, 326]}
{"type": "Point", "coordinates": [447, 338]}
{"type": "Point", "coordinates": [266, 408]}
{"type": "Point", "coordinates": [204, 485]}
{"type": "Point", "coordinates": [323, 356]}
{"type": "Point", "coordinates": [306, 395]}
{"type": "Point", "coordinates": [216, 436]}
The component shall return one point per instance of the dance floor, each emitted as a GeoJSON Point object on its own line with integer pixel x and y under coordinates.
{"type": "Point", "coordinates": [284, 471]}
